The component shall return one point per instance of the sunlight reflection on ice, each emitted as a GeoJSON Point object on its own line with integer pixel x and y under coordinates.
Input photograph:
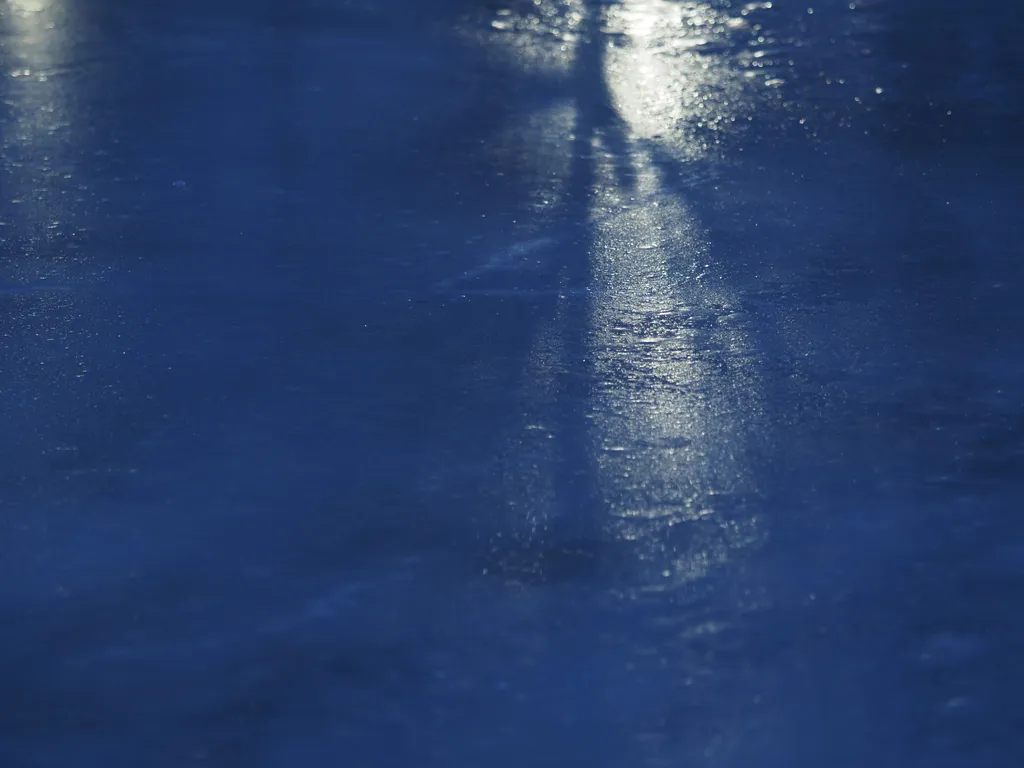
{"type": "Point", "coordinates": [653, 84]}
{"type": "Point", "coordinates": [681, 422]}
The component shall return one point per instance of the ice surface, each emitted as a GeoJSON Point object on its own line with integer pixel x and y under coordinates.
{"type": "Point", "coordinates": [539, 383]}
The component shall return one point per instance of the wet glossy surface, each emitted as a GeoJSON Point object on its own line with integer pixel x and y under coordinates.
{"type": "Point", "coordinates": [533, 383]}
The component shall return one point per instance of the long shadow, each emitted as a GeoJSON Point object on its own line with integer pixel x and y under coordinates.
{"type": "Point", "coordinates": [580, 518]}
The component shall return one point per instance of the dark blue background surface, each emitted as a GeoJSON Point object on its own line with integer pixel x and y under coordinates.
{"type": "Point", "coordinates": [533, 383]}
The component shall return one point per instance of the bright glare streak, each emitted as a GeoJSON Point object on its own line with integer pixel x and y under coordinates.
{"type": "Point", "coordinates": [669, 430]}
{"type": "Point", "coordinates": [36, 131]}
{"type": "Point", "coordinates": [671, 426]}
{"type": "Point", "coordinates": [28, 6]}
{"type": "Point", "coordinates": [641, 92]}
{"type": "Point", "coordinates": [669, 79]}
{"type": "Point", "coordinates": [35, 37]}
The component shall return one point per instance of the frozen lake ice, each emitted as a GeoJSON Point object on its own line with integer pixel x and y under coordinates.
{"type": "Point", "coordinates": [563, 382]}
